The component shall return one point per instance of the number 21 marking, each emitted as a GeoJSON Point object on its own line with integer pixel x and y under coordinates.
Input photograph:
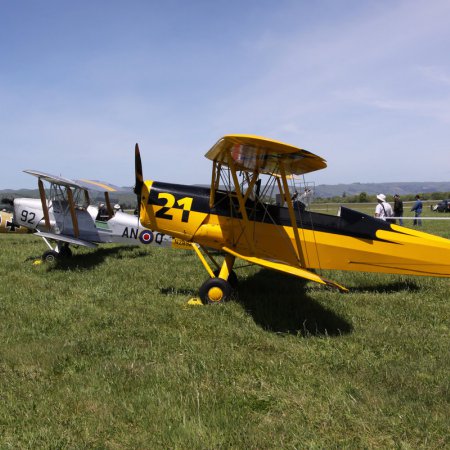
{"type": "Point", "coordinates": [184, 203]}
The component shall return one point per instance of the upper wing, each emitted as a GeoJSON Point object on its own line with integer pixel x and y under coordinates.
{"type": "Point", "coordinates": [102, 186]}
{"type": "Point", "coordinates": [54, 179]}
{"type": "Point", "coordinates": [255, 153]}
{"type": "Point", "coordinates": [91, 185]}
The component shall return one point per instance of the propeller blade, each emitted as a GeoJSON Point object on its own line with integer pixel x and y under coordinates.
{"type": "Point", "coordinates": [138, 171]}
{"type": "Point", "coordinates": [138, 176]}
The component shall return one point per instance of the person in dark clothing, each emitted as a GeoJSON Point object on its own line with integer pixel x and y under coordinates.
{"type": "Point", "coordinates": [398, 208]}
{"type": "Point", "coordinates": [102, 212]}
{"type": "Point", "coordinates": [417, 208]}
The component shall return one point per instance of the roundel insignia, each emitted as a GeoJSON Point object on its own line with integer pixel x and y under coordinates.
{"type": "Point", "coordinates": [146, 237]}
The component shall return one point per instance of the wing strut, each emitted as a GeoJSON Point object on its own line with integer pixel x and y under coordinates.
{"type": "Point", "coordinates": [44, 204]}
{"type": "Point", "coordinates": [86, 197]}
{"type": "Point", "coordinates": [250, 185]}
{"type": "Point", "coordinates": [73, 214]}
{"type": "Point", "coordinates": [215, 178]}
{"type": "Point", "coordinates": [108, 205]}
{"type": "Point", "coordinates": [241, 202]}
{"type": "Point", "coordinates": [287, 197]}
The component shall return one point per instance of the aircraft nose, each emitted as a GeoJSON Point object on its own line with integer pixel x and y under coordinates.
{"type": "Point", "coordinates": [27, 211]}
{"type": "Point", "coordinates": [17, 204]}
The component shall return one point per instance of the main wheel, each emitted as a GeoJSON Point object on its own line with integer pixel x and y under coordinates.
{"type": "Point", "coordinates": [50, 256]}
{"type": "Point", "coordinates": [232, 278]}
{"type": "Point", "coordinates": [215, 290]}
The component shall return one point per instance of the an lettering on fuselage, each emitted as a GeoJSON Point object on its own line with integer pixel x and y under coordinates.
{"type": "Point", "coordinates": [132, 234]}
{"type": "Point", "coordinates": [146, 236]}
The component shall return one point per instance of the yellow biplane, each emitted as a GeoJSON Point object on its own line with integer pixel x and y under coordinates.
{"type": "Point", "coordinates": [237, 217]}
{"type": "Point", "coordinates": [7, 224]}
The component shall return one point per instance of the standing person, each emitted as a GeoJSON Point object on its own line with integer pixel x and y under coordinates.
{"type": "Point", "coordinates": [398, 208]}
{"type": "Point", "coordinates": [417, 208]}
{"type": "Point", "coordinates": [383, 210]}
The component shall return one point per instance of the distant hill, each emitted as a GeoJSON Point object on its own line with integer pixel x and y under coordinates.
{"type": "Point", "coordinates": [321, 190]}
{"type": "Point", "coordinates": [33, 193]}
{"type": "Point", "coordinates": [124, 199]}
{"type": "Point", "coordinates": [331, 190]}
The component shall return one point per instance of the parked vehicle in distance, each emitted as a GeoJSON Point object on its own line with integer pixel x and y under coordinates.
{"type": "Point", "coordinates": [442, 206]}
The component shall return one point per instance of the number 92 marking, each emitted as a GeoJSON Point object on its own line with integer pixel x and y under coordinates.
{"type": "Point", "coordinates": [27, 216]}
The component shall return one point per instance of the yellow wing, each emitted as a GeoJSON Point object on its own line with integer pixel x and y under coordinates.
{"type": "Point", "coordinates": [291, 270]}
{"type": "Point", "coordinates": [259, 154]}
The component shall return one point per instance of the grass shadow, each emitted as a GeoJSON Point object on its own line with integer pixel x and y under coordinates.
{"type": "Point", "coordinates": [279, 303]}
{"type": "Point", "coordinates": [92, 259]}
{"type": "Point", "coordinates": [387, 288]}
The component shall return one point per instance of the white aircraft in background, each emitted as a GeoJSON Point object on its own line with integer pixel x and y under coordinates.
{"type": "Point", "coordinates": [66, 217]}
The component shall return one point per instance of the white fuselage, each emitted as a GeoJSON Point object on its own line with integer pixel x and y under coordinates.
{"type": "Point", "coordinates": [121, 228]}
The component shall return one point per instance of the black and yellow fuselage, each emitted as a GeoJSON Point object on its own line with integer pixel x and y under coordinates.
{"type": "Point", "coordinates": [351, 241]}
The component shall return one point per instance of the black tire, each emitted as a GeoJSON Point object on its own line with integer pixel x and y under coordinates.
{"type": "Point", "coordinates": [232, 278]}
{"type": "Point", "coordinates": [50, 256]}
{"type": "Point", "coordinates": [65, 252]}
{"type": "Point", "coordinates": [215, 291]}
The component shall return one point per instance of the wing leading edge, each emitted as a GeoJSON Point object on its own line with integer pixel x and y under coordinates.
{"type": "Point", "coordinates": [54, 179]}
{"type": "Point", "coordinates": [91, 185]}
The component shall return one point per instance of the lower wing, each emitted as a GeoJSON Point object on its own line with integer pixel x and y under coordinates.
{"type": "Point", "coordinates": [291, 270]}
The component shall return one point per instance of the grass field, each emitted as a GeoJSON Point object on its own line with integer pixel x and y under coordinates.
{"type": "Point", "coordinates": [103, 352]}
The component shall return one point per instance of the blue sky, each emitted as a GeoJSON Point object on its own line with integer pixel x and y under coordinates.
{"type": "Point", "coordinates": [364, 84]}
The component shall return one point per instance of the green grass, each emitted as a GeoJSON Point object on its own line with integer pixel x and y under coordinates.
{"type": "Point", "coordinates": [103, 352]}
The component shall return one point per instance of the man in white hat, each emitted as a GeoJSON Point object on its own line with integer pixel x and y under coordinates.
{"type": "Point", "coordinates": [383, 210]}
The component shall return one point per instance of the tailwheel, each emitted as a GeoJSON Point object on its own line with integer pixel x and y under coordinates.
{"type": "Point", "coordinates": [215, 290]}
{"type": "Point", "coordinates": [50, 256]}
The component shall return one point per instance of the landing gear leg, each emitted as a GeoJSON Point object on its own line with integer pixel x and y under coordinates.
{"type": "Point", "coordinates": [65, 251]}
{"type": "Point", "coordinates": [60, 250]}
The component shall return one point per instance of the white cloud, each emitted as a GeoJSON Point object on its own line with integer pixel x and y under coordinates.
{"type": "Point", "coordinates": [437, 74]}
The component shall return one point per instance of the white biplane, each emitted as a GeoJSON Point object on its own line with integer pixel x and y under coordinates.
{"type": "Point", "coordinates": [65, 217]}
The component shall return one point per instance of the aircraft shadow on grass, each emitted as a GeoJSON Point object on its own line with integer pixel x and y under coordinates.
{"type": "Point", "coordinates": [387, 288]}
{"type": "Point", "coordinates": [89, 260]}
{"type": "Point", "coordinates": [280, 303]}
